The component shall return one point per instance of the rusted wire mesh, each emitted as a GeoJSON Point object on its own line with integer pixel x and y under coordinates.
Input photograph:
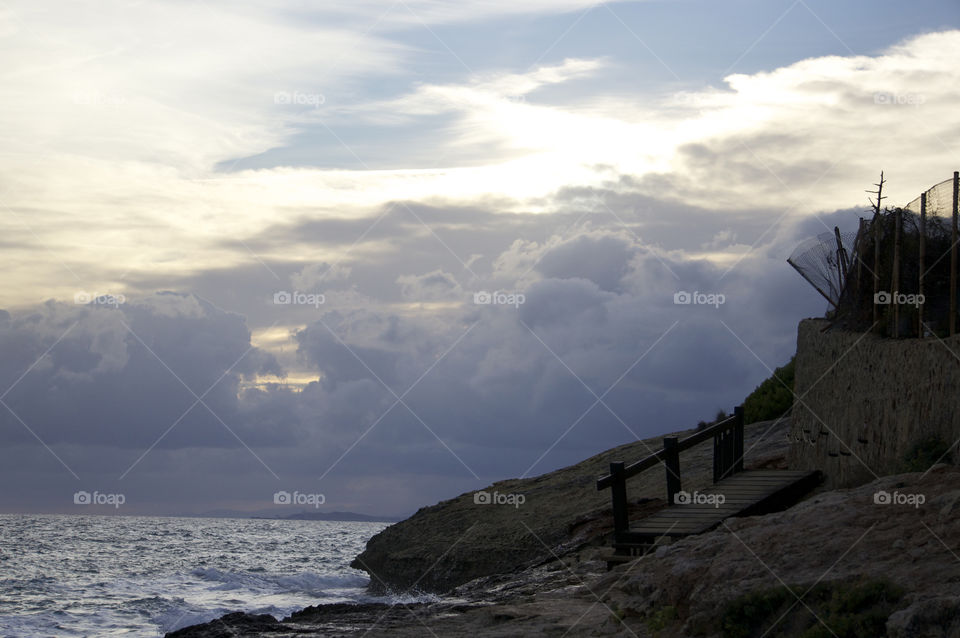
{"type": "Point", "coordinates": [878, 290]}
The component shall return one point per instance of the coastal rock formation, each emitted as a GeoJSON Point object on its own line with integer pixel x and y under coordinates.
{"type": "Point", "coordinates": [537, 520]}
{"type": "Point", "coordinates": [901, 529]}
{"type": "Point", "coordinates": [235, 624]}
{"type": "Point", "coordinates": [836, 539]}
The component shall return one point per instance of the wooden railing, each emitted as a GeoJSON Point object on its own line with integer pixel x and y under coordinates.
{"type": "Point", "coordinates": [727, 438]}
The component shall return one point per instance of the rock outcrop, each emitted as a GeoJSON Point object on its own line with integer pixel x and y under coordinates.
{"type": "Point", "coordinates": [835, 539]}
{"type": "Point", "coordinates": [834, 536]}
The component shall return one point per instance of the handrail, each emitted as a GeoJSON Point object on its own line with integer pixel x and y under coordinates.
{"type": "Point", "coordinates": [727, 460]}
{"type": "Point", "coordinates": [694, 439]}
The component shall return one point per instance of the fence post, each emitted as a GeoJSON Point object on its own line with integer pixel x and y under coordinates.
{"type": "Point", "coordinates": [738, 439]}
{"type": "Point", "coordinates": [618, 494]}
{"type": "Point", "coordinates": [671, 459]}
{"type": "Point", "coordinates": [858, 250]}
{"type": "Point", "coordinates": [717, 456]}
{"type": "Point", "coordinates": [895, 276]}
{"type": "Point", "coordinates": [953, 258]}
{"type": "Point", "coordinates": [923, 259]}
{"type": "Point", "coordinates": [876, 265]}
{"type": "Point", "coordinates": [843, 268]}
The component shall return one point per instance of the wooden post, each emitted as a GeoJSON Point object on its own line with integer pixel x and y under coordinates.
{"type": "Point", "coordinates": [843, 267]}
{"type": "Point", "coordinates": [721, 455]}
{"type": "Point", "coordinates": [953, 258]}
{"type": "Point", "coordinates": [738, 439]}
{"type": "Point", "coordinates": [923, 259]}
{"type": "Point", "coordinates": [672, 461]}
{"type": "Point", "coordinates": [895, 276]}
{"type": "Point", "coordinates": [876, 244]}
{"type": "Point", "coordinates": [618, 494]}
{"type": "Point", "coordinates": [859, 252]}
{"type": "Point", "coordinates": [876, 266]}
{"type": "Point", "coordinates": [717, 456]}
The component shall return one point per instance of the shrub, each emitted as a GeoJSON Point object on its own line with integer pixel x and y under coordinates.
{"type": "Point", "coordinates": [773, 398]}
{"type": "Point", "coordinates": [925, 453]}
{"type": "Point", "coordinates": [662, 618]}
{"type": "Point", "coordinates": [849, 608]}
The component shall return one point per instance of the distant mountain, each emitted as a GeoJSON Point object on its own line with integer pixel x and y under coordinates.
{"type": "Point", "coordinates": [280, 514]}
{"type": "Point", "coordinates": [334, 516]}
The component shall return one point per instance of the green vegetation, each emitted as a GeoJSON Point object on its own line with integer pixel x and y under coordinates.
{"type": "Point", "coordinates": [773, 398]}
{"type": "Point", "coordinates": [925, 453]}
{"type": "Point", "coordinates": [661, 618]}
{"type": "Point", "coordinates": [849, 608]}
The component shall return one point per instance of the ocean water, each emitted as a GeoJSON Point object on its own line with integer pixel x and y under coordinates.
{"type": "Point", "coordinates": [144, 576]}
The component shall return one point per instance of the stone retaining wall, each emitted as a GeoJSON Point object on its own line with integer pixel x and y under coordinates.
{"type": "Point", "coordinates": [868, 400]}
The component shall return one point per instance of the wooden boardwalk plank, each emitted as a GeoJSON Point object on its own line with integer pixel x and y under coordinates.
{"type": "Point", "coordinates": [743, 492]}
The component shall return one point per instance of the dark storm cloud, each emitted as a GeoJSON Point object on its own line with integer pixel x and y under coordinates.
{"type": "Point", "coordinates": [459, 391]}
{"type": "Point", "coordinates": [122, 374]}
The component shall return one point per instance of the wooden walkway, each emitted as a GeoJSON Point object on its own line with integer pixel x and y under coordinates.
{"type": "Point", "coordinates": [746, 493]}
{"type": "Point", "coordinates": [735, 491]}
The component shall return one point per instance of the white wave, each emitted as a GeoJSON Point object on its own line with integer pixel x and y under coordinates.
{"type": "Point", "coordinates": [303, 582]}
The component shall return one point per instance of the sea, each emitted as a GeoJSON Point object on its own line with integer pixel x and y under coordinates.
{"type": "Point", "coordinates": [145, 576]}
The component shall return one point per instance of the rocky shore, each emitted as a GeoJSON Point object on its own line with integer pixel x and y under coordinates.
{"type": "Point", "coordinates": [839, 563]}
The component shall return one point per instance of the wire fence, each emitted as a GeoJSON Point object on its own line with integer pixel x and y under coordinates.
{"type": "Point", "coordinates": [897, 274]}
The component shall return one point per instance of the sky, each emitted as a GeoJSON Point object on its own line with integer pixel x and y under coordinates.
{"type": "Point", "coordinates": [390, 252]}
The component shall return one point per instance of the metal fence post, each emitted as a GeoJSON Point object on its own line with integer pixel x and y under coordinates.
{"type": "Point", "coordinates": [923, 259]}
{"type": "Point", "coordinates": [953, 258]}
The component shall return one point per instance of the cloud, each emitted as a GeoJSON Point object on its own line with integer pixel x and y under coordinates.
{"type": "Point", "coordinates": [122, 375]}
{"type": "Point", "coordinates": [432, 286]}
{"type": "Point", "coordinates": [464, 389]}
{"type": "Point", "coordinates": [602, 258]}
{"type": "Point", "coordinates": [224, 157]}
{"type": "Point", "coordinates": [323, 275]}
{"type": "Point", "coordinates": [143, 139]}
{"type": "Point", "coordinates": [413, 14]}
